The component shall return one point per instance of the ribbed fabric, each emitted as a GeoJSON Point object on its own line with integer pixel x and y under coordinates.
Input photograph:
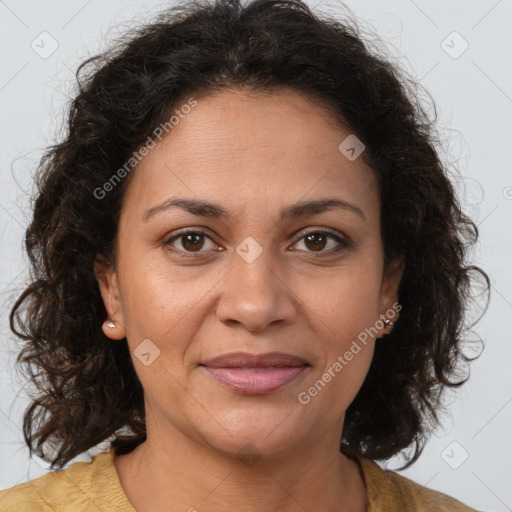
{"type": "Point", "coordinates": [390, 492]}
{"type": "Point", "coordinates": [95, 487]}
{"type": "Point", "coordinates": [82, 487]}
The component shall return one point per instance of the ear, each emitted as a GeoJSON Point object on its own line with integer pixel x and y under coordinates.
{"type": "Point", "coordinates": [109, 289]}
{"type": "Point", "coordinates": [389, 306]}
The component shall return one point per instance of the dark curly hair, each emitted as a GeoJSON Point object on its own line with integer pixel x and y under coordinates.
{"type": "Point", "coordinates": [86, 386]}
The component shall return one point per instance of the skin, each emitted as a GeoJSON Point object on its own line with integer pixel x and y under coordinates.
{"type": "Point", "coordinates": [208, 447]}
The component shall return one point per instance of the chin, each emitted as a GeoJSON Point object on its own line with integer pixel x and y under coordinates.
{"type": "Point", "coordinates": [251, 450]}
{"type": "Point", "coordinates": [253, 435]}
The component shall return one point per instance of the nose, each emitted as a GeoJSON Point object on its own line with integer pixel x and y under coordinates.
{"type": "Point", "coordinates": [255, 295]}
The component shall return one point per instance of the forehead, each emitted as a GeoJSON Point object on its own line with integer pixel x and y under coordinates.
{"type": "Point", "coordinates": [243, 149]}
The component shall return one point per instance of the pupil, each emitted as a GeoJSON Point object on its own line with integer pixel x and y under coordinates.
{"type": "Point", "coordinates": [315, 238]}
{"type": "Point", "coordinates": [195, 240]}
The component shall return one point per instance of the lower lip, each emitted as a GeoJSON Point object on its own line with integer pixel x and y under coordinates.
{"type": "Point", "coordinates": [252, 381]}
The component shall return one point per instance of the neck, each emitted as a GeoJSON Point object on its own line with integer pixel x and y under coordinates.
{"type": "Point", "coordinates": [173, 472]}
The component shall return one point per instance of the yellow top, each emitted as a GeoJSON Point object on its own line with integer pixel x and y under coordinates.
{"type": "Point", "coordinates": [94, 486]}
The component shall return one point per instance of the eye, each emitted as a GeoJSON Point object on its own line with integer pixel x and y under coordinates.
{"type": "Point", "coordinates": [317, 241]}
{"type": "Point", "coordinates": [189, 241]}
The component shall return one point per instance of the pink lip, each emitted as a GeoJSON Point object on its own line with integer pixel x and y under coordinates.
{"type": "Point", "coordinates": [255, 374]}
{"type": "Point", "coordinates": [255, 381]}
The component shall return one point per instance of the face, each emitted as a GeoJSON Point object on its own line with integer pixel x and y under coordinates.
{"type": "Point", "coordinates": [257, 271]}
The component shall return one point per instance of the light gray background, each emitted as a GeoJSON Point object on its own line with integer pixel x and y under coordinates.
{"type": "Point", "coordinates": [473, 93]}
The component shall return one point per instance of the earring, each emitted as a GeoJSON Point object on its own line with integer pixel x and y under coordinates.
{"type": "Point", "coordinates": [112, 324]}
{"type": "Point", "coordinates": [388, 322]}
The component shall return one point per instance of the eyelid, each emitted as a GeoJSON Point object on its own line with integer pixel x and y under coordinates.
{"type": "Point", "coordinates": [319, 229]}
{"type": "Point", "coordinates": [342, 240]}
{"type": "Point", "coordinates": [187, 231]}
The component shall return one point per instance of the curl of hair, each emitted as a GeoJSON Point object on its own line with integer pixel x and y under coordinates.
{"type": "Point", "coordinates": [87, 388]}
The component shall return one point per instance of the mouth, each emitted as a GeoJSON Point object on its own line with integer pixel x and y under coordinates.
{"type": "Point", "coordinates": [255, 374]}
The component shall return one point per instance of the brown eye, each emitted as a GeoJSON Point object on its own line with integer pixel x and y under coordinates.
{"type": "Point", "coordinates": [318, 241]}
{"type": "Point", "coordinates": [189, 242]}
{"type": "Point", "coordinates": [192, 242]}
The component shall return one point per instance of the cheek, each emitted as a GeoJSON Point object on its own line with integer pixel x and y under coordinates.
{"type": "Point", "coordinates": [155, 301]}
{"type": "Point", "coordinates": [347, 351]}
{"type": "Point", "coordinates": [343, 303]}
{"type": "Point", "coordinates": [342, 309]}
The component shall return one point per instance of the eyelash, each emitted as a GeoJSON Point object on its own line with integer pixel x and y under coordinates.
{"type": "Point", "coordinates": [343, 244]}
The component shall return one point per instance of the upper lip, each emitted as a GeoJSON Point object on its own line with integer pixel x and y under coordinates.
{"type": "Point", "coordinates": [247, 360]}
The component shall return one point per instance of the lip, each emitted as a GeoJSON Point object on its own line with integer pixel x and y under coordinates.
{"type": "Point", "coordinates": [256, 374]}
{"type": "Point", "coordinates": [247, 360]}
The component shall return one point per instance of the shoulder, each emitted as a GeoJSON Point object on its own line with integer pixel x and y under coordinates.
{"type": "Point", "coordinates": [73, 488]}
{"type": "Point", "coordinates": [388, 490]}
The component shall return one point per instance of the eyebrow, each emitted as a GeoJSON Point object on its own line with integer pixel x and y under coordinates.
{"type": "Point", "coordinates": [206, 209]}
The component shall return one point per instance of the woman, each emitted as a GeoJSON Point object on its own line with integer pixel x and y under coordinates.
{"type": "Point", "coordinates": [249, 272]}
